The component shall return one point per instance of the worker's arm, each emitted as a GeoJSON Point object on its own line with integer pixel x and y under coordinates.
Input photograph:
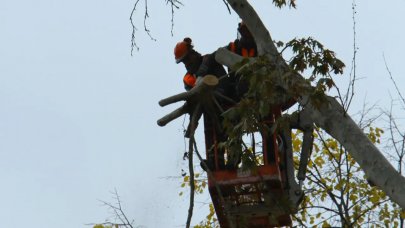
{"type": "Point", "coordinates": [189, 81]}
{"type": "Point", "coordinates": [204, 66]}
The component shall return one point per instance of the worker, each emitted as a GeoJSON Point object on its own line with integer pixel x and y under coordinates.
{"type": "Point", "coordinates": [198, 66]}
{"type": "Point", "coordinates": [244, 45]}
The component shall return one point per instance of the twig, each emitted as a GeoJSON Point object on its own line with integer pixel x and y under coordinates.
{"type": "Point", "coordinates": [118, 212]}
{"type": "Point", "coordinates": [348, 97]}
{"type": "Point", "coordinates": [393, 81]}
{"type": "Point", "coordinates": [134, 29]}
{"type": "Point", "coordinates": [173, 6]}
{"type": "Point", "coordinates": [353, 71]}
{"type": "Point", "coordinates": [145, 17]}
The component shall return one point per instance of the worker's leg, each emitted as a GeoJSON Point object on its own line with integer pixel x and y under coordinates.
{"type": "Point", "coordinates": [234, 154]}
{"type": "Point", "coordinates": [270, 146]}
{"type": "Point", "coordinates": [214, 154]}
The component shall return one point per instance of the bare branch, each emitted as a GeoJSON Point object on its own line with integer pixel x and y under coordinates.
{"type": "Point", "coordinates": [145, 17]}
{"type": "Point", "coordinates": [173, 115]}
{"type": "Point", "coordinates": [193, 125]}
{"type": "Point", "coordinates": [350, 89]}
{"type": "Point", "coordinates": [134, 29]}
{"type": "Point", "coordinates": [393, 81]}
{"type": "Point", "coordinates": [174, 4]}
{"type": "Point", "coordinates": [118, 212]}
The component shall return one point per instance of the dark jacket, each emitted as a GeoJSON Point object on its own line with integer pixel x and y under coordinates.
{"type": "Point", "coordinates": [209, 65]}
{"type": "Point", "coordinates": [246, 49]}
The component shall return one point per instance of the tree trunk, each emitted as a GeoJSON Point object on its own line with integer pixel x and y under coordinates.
{"type": "Point", "coordinates": [330, 116]}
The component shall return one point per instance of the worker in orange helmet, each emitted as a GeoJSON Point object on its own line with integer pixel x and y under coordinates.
{"type": "Point", "coordinates": [198, 66]}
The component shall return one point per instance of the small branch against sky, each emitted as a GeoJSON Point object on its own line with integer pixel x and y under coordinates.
{"type": "Point", "coordinates": [134, 29]}
{"type": "Point", "coordinates": [118, 212]}
{"type": "Point", "coordinates": [366, 117]}
{"type": "Point", "coordinates": [146, 16]}
{"type": "Point", "coordinates": [396, 139]}
{"type": "Point", "coordinates": [394, 82]}
{"type": "Point", "coordinates": [174, 4]}
{"type": "Point", "coordinates": [350, 89]}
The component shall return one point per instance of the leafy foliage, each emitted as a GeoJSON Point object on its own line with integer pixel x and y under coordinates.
{"type": "Point", "coordinates": [337, 191]}
{"type": "Point", "coordinates": [200, 182]}
{"type": "Point", "coordinates": [210, 221]}
{"type": "Point", "coordinates": [267, 81]}
{"type": "Point", "coordinates": [310, 53]}
{"type": "Point", "coordinates": [105, 226]}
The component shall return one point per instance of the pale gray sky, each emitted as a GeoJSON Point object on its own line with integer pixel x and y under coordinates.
{"type": "Point", "coordinates": [78, 113]}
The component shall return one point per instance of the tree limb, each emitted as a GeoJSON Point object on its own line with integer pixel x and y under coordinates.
{"type": "Point", "coordinates": [193, 125]}
{"type": "Point", "coordinates": [173, 115]}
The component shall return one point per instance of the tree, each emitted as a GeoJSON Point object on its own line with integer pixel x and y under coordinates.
{"type": "Point", "coordinates": [274, 73]}
{"type": "Point", "coordinates": [329, 115]}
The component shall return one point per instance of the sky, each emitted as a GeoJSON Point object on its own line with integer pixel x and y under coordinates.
{"type": "Point", "coordinates": [78, 112]}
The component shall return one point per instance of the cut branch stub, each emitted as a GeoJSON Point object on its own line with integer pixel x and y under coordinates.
{"type": "Point", "coordinates": [227, 58]}
{"type": "Point", "coordinates": [173, 115]}
{"type": "Point", "coordinates": [175, 98]}
{"type": "Point", "coordinates": [198, 93]}
{"type": "Point", "coordinates": [208, 82]}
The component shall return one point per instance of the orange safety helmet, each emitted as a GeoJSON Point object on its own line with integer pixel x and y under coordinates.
{"type": "Point", "coordinates": [182, 49]}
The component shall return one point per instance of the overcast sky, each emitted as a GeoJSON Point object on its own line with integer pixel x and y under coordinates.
{"type": "Point", "coordinates": [78, 112]}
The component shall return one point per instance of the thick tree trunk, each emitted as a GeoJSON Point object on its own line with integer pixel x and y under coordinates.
{"type": "Point", "coordinates": [330, 116]}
